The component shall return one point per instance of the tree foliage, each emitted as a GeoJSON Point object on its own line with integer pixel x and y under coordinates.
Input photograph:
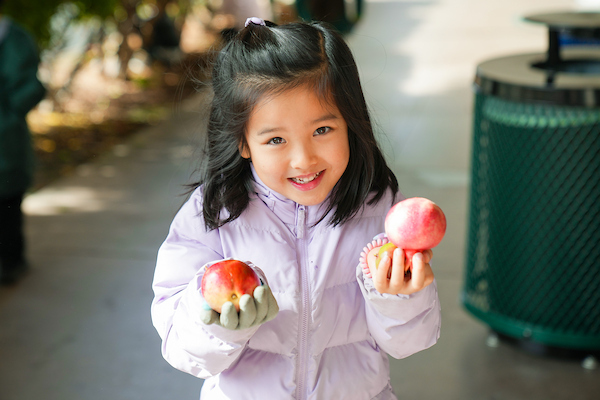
{"type": "Point", "coordinates": [35, 15]}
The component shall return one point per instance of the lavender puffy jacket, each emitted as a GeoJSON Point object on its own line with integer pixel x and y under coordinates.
{"type": "Point", "coordinates": [333, 330]}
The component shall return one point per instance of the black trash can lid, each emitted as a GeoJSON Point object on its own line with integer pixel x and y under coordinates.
{"type": "Point", "coordinates": [559, 76]}
{"type": "Point", "coordinates": [515, 78]}
{"type": "Point", "coordinates": [578, 21]}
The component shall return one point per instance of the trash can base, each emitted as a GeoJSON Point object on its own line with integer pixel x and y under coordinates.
{"type": "Point", "coordinates": [537, 337]}
{"type": "Point", "coordinates": [544, 350]}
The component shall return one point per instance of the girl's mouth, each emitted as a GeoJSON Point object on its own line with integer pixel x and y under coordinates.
{"type": "Point", "coordinates": [308, 182]}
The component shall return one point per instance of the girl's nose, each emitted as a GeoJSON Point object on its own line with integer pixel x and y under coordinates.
{"type": "Point", "coordinates": [303, 157]}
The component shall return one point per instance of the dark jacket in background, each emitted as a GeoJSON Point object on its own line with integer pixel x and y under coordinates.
{"type": "Point", "coordinates": [20, 91]}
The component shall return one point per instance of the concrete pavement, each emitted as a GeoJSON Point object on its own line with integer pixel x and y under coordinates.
{"type": "Point", "coordinates": [78, 327]}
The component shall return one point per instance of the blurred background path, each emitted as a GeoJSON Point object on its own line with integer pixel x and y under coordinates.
{"type": "Point", "coordinates": [78, 327]}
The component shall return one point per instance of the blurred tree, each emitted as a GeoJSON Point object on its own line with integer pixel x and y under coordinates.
{"type": "Point", "coordinates": [35, 15]}
{"type": "Point", "coordinates": [137, 20]}
{"type": "Point", "coordinates": [52, 23]}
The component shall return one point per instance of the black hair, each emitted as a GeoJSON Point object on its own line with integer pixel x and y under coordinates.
{"type": "Point", "coordinates": [269, 59]}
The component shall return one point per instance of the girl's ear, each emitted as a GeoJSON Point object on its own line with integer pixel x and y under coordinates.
{"type": "Point", "coordinates": [244, 150]}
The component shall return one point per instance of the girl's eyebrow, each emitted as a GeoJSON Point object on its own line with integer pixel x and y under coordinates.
{"type": "Point", "coordinates": [268, 130]}
{"type": "Point", "coordinates": [326, 117]}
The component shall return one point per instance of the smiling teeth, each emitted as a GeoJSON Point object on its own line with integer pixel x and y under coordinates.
{"type": "Point", "coordinates": [306, 180]}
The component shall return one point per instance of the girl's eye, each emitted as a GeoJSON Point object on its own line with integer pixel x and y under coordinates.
{"type": "Point", "coordinates": [322, 130]}
{"type": "Point", "coordinates": [276, 140]}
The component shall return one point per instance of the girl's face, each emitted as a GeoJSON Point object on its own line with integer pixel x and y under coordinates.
{"type": "Point", "coordinates": [298, 144]}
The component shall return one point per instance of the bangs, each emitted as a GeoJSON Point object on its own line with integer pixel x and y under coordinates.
{"type": "Point", "coordinates": [253, 87]}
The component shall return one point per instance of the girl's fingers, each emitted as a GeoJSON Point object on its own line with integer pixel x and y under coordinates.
{"type": "Point", "coordinates": [418, 271]}
{"type": "Point", "coordinates": [427, 256]}
{"type": "Point", "coordinates": [389, 276]}
{"type": "Point", "coordinates": [422, 270]}
{"type": "Point", "coordinates": [397, 276]}
{"type": "Point", "coordinates": [381, 273]}
{"type": "Point", "coordinates": [372, 268]}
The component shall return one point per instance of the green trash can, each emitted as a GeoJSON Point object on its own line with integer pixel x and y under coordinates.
{"type": "Point", "coordinates": [533, 247]}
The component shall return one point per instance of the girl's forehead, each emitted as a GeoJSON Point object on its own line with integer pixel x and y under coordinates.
{"type": "Point", "coordinates": [304, 92]}
{"type": "Point", "coordinates": [298, 107]}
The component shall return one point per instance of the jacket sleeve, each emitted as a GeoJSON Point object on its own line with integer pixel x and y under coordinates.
{"type": "Point", "coordinates": [401, 324]}
{"type": "Point", "coordinates": [188, 344]}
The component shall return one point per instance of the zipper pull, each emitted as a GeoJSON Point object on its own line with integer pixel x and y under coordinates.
{"type": "Point", "coordinates": [301, 222]}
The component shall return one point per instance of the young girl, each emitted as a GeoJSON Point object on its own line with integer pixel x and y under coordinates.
{"type": "Point", "coordinates": [295, 184]}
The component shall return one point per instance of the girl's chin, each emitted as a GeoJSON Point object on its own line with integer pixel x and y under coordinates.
{"type": "Point", "coordinates": [308, 199]}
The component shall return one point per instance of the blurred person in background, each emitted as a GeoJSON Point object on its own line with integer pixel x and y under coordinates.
{"type": "Point", "coordinates": [241, 9]}
{"type": "Point", "coordinates": [20, 91]}
{"type": "Point", "coordinates": [237, 12]}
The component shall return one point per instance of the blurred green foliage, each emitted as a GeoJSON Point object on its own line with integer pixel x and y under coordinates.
{"type": "Point", "coordinates": [35, 15]}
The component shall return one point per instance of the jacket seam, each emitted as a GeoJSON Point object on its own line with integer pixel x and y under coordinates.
{"type": "Point", "coordinates": [314, 355]}
{"type": "Point", "coordinates": [250, 227]}
{"type": "Point", "coordinates": [344, 344]}
{"type": "Point", "coordinates": [340, 284]}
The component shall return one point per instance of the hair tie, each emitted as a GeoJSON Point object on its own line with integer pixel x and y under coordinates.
{"type": "Point", "coordinates": [255, 21]}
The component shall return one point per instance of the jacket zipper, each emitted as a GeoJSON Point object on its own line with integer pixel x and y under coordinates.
{"type": "Point", "coordinates": [305, 311]}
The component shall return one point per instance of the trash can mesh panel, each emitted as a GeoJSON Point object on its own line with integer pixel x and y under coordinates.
{"type": "Point", "coordinates": [533, 255]}
{"type": "Point", "coordinates": [535, 115]}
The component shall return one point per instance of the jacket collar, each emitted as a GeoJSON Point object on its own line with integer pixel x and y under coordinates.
{"type": "Point", "coordinates": [290, 212]}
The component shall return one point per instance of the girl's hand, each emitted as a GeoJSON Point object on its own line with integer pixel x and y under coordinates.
{"type": "Point", "coordinates": [396, 281]}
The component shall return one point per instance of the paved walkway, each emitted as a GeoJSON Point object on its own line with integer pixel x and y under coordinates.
{"type": "Point", "coordinates": [78, 328]}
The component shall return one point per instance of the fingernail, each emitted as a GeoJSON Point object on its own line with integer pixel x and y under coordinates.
{"type": "Point", "coordinates": [206, 307]}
